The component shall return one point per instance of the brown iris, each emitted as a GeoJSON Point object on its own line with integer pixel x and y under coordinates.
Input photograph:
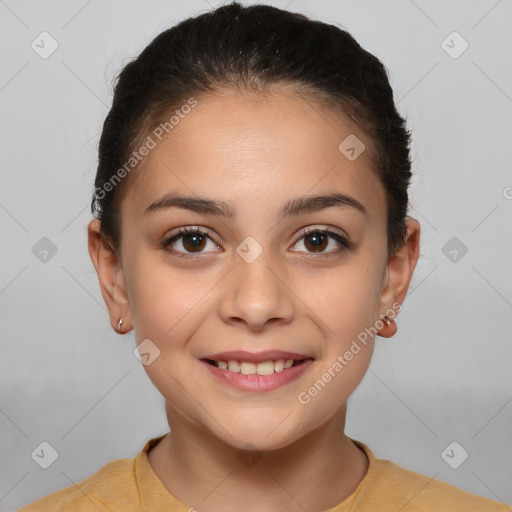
{"type": "Point", "coordinates": [319, 241]}
{"type": "Point", "coordinates": [192, 241]}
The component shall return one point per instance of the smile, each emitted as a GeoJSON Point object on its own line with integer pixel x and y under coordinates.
{"type": "Point", "coordinates": [257, 377]}
{"type": "Point", "coordinates": [249, 368]}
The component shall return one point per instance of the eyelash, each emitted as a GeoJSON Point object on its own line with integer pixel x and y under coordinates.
{"type": "Point", "coordinates": [341, 239]}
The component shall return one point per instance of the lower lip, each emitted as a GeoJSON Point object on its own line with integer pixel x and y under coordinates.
{"type": "Point", "coordinates": [259, 382]}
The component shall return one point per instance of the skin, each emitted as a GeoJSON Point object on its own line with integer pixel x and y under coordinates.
{"type": "Point", "coordinates": [255, 153]}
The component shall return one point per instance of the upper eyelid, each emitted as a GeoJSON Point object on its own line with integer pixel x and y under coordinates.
{"type": "Point", "coordinates": [315, 227]}
{"type": "Point", "coordinates": [185, 230]}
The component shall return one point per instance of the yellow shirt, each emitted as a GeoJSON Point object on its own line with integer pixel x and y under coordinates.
{"type": "Point", "coordinates": [131, 485]}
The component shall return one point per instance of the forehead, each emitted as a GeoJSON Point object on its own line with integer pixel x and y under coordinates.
{"type": "Point", "coordinates": [252, 150]}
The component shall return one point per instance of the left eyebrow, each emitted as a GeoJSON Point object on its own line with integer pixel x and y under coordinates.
{"type": "Point", "coordinates": [295, 206]}
{"type": "Point", "coordinates": [307, 204]}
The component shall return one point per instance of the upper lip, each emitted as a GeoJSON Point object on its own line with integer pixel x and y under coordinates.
{"type": "Point", "coordinates": [256, 357]}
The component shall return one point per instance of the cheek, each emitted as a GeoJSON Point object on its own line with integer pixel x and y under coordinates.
{"type": "Point", "coordinates": [334, 381]}
{"type": "Point", "coordinates": [163, 300]}
{"type": "Point", "coordinates": [346, 312]}
{"type": "Point", "coordinates": [344, 300]}
{"type": "Point", "coordinates": [167, 306]}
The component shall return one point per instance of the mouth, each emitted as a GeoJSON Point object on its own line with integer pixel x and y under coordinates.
{"type": "Point", "coordinates": [256, 373]}
{"type": "Point", "coordinates": [261, 368]}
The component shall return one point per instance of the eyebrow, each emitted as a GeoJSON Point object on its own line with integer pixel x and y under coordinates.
{"type": "Point", "coordinates": [295, 206]}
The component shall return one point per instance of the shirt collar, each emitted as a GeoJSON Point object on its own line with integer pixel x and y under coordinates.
{"type": "Point", "coordinates": [155, 496]}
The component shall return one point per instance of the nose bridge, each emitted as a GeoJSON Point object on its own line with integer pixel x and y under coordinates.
{"type": "Point", "coordinates": [256, 291]}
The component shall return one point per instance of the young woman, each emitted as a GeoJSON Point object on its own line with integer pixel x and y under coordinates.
{"type": "Point", "coordinates": [250, 225]}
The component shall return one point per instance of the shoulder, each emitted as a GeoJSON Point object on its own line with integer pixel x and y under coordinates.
{"type": "Point", "coordinates": [401, 488]}
{"type": "Point", "coordinates": [113, 484]}
{"type": "Point", "coordinates": [427, 493]}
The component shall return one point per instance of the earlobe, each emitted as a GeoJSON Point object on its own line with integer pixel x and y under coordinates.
{"type": "Point", "coordinates": [399, 271]}
{"type": "Point", "coordinates": [110, 276]}
{"type": "Point", "coordinates": [388, 328]}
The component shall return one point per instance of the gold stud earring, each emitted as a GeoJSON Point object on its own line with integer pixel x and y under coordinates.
{"type": "Point", "coordinates": [387, 320]}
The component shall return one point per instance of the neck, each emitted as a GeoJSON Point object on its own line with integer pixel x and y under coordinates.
{"type": "Point", "coordinates": [316, 472]}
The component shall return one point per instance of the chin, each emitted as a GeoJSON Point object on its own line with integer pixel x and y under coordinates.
{"type": "Point", "coordinates": [263, 443]}
{"type": "Point", "coordinates": [271, 435]}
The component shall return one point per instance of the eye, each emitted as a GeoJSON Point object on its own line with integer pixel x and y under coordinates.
{"type": "Point", "coordinates": [316, 240]}
{"type": "Point", "coordinates": [192, 241]}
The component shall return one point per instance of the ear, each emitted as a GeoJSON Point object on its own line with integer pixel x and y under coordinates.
{"type": "Point", "coordinates": [111, 277]}
{"type": "Point", "coordinates": [398, 274]}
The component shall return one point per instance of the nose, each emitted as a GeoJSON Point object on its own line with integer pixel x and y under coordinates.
{"type": "Point", "coordinates": [257, 294]}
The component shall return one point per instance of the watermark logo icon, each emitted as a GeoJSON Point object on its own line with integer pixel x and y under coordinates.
{"type": "Point", "coordinates": [44, 249]}
{"type": "Point", "coordinates": [249, 249]}
{"type": "Point", "coordinates": [454, 45]}
{"type": "Point", "coordinates": [44, 45]}
{"type": "Point", "coordinates": [146, 352]}
{"type": "Point", "coordinates": [454, 249]}
{"type": "Point", "coordinates": [249, 455]}
{"type": "Point", "coordinates": [44, 455]}
{"type": "Point", "coordinates": [351, 147]}
{"type": "Point", "coordinates": [454, 455]}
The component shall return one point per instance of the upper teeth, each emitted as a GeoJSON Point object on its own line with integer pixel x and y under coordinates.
{"type": "Point", "coordinates": [264, 368]}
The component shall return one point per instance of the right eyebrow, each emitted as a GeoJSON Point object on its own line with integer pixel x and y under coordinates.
{"type": "Point", "coordinates": [195, 204]}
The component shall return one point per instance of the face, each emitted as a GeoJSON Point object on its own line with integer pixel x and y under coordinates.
{"type": "Point", "coordinates": [268, 271]}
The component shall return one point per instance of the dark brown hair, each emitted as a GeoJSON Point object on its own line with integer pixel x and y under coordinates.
{"type": "Point", "coordinates": [255, 47]}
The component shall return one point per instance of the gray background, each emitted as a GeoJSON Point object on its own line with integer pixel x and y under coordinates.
{"type": "Point", "coordinates": [68, 379]}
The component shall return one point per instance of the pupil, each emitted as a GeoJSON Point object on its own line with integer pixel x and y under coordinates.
{"type": "Point", "coordinates": [193, 240]}
{"type": "Point", "coordinates": [318, 240]}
